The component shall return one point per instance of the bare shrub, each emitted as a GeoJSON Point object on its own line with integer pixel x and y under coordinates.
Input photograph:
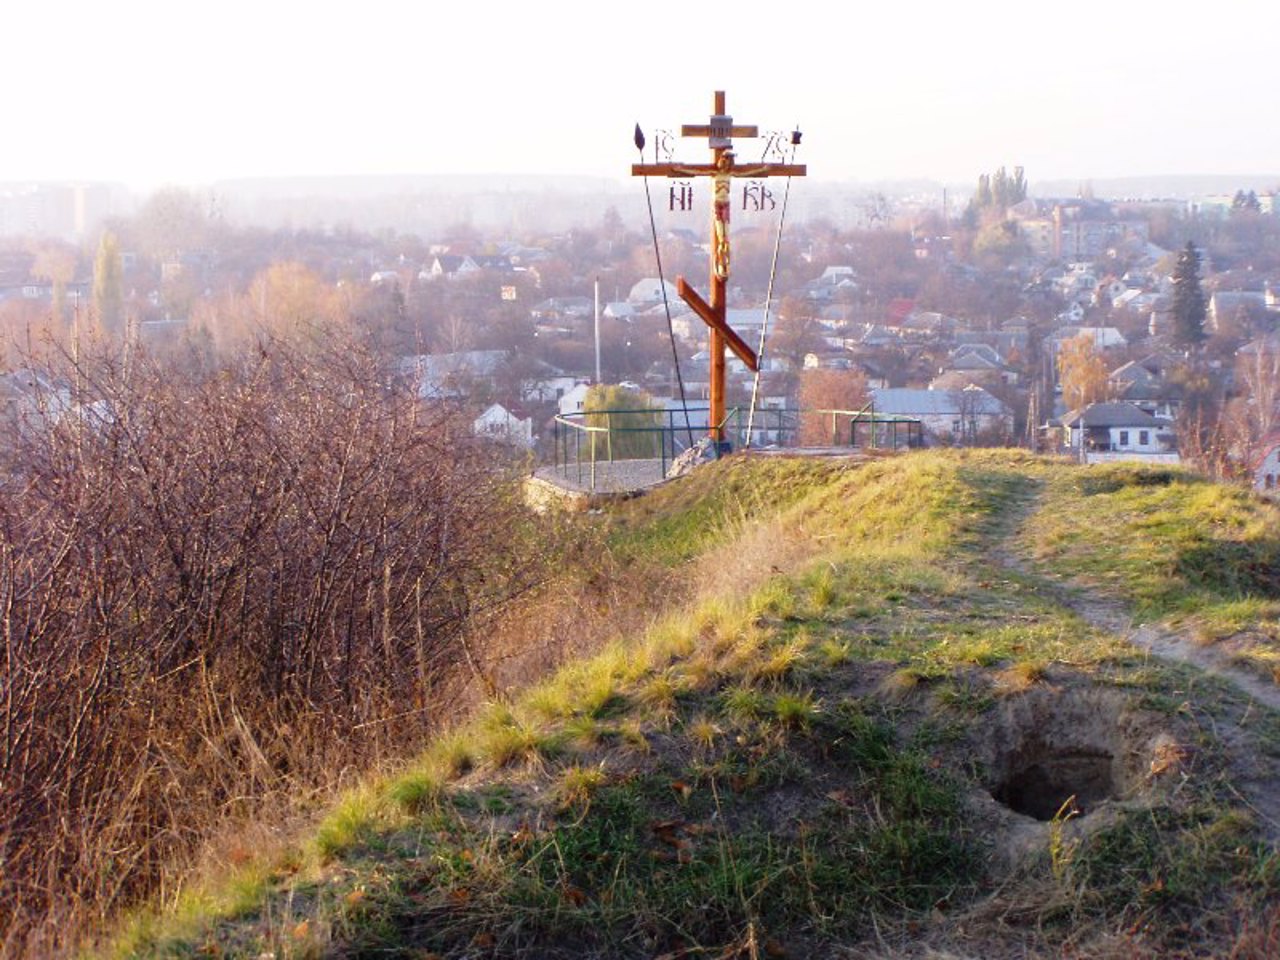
{"type": "Point", "coordinates": [219, 585]}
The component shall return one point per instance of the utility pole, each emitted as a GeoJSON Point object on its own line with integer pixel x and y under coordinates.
{"type": "Point", "coordinates": [723, 167]}
{"type": "Point", "coordinates": [598, 380]}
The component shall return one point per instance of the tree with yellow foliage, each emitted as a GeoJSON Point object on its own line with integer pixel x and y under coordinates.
{"type": "Point", "coordinates": [1082, 372]}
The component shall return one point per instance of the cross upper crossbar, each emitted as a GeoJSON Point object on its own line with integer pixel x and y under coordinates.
{"type": "Point", "coordinates": [752, 170]}
{"type": "Point", "coordinates": [717, 130]}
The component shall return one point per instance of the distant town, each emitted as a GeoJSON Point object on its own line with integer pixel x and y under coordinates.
{"type": "Point", "coordinates": [1096, 327]}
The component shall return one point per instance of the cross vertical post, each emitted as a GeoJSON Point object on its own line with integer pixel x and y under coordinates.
{"type": "Point", "coordinates": [719, 133]}
{"type": "Point", "coordinates": [719, 276]}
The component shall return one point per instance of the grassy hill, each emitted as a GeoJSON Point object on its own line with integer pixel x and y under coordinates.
{"type": "Point", "coordinates": [898, 708]}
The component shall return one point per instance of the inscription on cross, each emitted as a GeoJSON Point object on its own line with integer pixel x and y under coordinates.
{"type": "Point", "coordinates": [723, 168]}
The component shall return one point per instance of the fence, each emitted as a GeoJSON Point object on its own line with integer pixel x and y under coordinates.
{"type": "Point", "coordinates": [634, 447]}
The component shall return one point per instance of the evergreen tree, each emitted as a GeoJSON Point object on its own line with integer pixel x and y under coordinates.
{"type": "Point", "coordinates": [1188, 299]}
{"type": "Point", "coordinates": [1018, 186]}
{"type": "Point", "coordinates": [108, 285]}
{"type": "Point", "coordinates": [1000, 189]}
{"type": "Point", "coordinates": [983, 199]}
{"type": "Point", "coordinates": [1246, 202]}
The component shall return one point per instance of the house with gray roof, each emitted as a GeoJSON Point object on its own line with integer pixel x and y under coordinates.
{"type": "Point", "coordinates": [649, 291]}
{"type": "Point", "coordinates": [1103, 432]}
{"type": "Point", "coordinates": [948, 416]}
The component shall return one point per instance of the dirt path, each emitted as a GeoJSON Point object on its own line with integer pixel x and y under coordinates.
{"type": "Point", "coordinates": [1254, 772]}
{"type": "Point", "coordinates": [1109, 614]}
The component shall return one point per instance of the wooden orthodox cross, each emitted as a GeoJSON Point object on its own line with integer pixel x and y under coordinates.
{"type": "Point", "coordinates": [722, 169]}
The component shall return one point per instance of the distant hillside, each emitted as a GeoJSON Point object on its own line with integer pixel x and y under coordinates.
{"type": "Point", "coordinates": [1179, 187]}
{"type": "Point", "coordinates": [932, 705]}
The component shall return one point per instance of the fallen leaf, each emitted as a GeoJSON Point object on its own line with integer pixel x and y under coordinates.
{"type": "Point", "coordinates": [354, 898]}
{"type": "Point", "coordinates": [301, 931]}
{"type": "Point", "coordinates": [484, 940]}
{"type": "Point", "coordinates": [666, 830]}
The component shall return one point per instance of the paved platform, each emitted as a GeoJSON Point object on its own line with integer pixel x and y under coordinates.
{"type": "Point", "coordinates": [620, 476]}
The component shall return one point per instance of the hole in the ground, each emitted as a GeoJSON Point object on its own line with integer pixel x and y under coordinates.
{"type": "Point", "coordinates": [1046, 779]}
{"type": "Point", "coordinates": [1050, 745]}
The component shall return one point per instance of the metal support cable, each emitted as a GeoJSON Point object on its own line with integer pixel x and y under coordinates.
{"type": "Point", "coordinates": [768, 300]}
{"type": "Point", "coordinates": [662, 284]}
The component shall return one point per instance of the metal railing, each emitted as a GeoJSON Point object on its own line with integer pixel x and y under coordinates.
{"type": "Point", "coordinates": [583, 442]}
{"type": "Point", "coordinates": [630, 447]}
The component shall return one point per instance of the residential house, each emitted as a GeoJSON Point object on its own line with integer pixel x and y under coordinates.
{"type": "Point", "coordinates": [982, 363]}
{"type": "Point", "coordinates": [897, 310]}
{"type": "Point", "coordinates": [828, 361]}
{"type": "Point", "coordinates": [574, 400]}
{"type": "Point", "coordinates": [497, 262]}
{"type": "Point", "coordinates": [1103, 432]}
{"type": "Point", "coordinates": [1103, 338]}
{"type": "Point", "coordinates": [948, 416]}
{"type": "Point", "coordinates": [563, 309]}
{"type": "Point", "coordinates": [441, 375]}
{"type": "Point", "coordinates": [1266, 468]}
{"type": "Point", "coordinates": [449, 266]}
{"type": "Point", "coordinates": [1004, 342]}
{"type": "Point", "coordinates": [620, 310]}
{"type": "Point", "coordinates": [452, 375]}
{"type": "Point", "coordinates": [931, 322]}
{"type": "Point", "coordinates": [648, 291]}
{"type": "Point", "coordinates": [27, 395]}
{"type": "Point", "coordinates": [838, 275]}
{"type": "Point", "coordinates": [1236, 312]}
{"type": "Point", "coordinates": [1073, 314]}
{"type": "Point", "coordinates": [30, 399]}
{"type": "Point", "coordinates": [499, 423]}
{"type": "Point", "coordinates": [834, 280]}
{"type": "Point", "coordinates": [522, 256]}
{"type": "Point", "coordinates": [1108, 291]}
{"type": "Point", "coordinates": [547, 384]}
{"type": "Point", "coordinates": [1144, 384]}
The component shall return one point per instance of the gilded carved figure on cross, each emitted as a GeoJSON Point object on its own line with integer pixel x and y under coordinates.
{"type": "Point", "coordinates": [720, 219]}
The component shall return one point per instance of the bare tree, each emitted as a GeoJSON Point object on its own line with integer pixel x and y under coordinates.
{"type": "Point", "coordinates": [202, 581]}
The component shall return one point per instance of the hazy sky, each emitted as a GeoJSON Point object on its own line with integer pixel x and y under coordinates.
{"type": "Point", "coordinates": [151, 93]}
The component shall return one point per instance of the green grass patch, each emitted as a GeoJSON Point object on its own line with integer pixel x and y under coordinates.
{"type": "Point", "coordinates": [789, 763]}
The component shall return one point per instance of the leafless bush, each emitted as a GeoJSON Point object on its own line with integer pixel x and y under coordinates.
{"type": "Point", "coordinates": [214, 586]}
